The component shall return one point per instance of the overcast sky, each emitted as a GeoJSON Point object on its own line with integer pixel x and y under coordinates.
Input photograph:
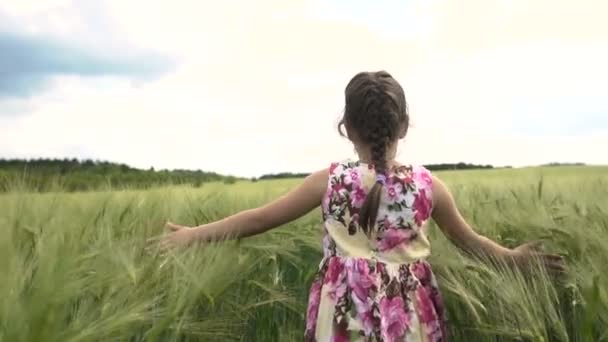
{"type": "Point", "coordinates": [252, 87]}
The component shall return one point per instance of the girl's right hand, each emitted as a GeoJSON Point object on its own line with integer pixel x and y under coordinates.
{"type": "Point", "coordinates": [526, 255]}
{"type": "Point", "coordinates": [177, 236]}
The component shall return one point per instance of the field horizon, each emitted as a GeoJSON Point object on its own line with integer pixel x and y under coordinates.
{"type": "Point", "coordinates": [74, 266]}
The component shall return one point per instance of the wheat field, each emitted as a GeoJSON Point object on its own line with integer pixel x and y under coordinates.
{"type": "Point", "coordinates": [73, 265]}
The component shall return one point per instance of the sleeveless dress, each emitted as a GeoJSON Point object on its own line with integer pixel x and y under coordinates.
{"type": "Point", "coordinates": [377, 288]}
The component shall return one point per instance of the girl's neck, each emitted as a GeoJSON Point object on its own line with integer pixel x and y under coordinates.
{"type": "Point", "coordinates": [364, 155]}
{"type": "Point", "coordinates": [390, 164]}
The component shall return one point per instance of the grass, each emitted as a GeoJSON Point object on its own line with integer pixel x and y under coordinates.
{"type": "Point", "coordinates": [73, 266]}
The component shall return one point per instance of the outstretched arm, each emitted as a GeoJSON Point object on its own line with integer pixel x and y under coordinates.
{"type": "Point", "coordinates": [454, 226]}
{"type": "Point", "coordinates": [298, 202]}
{"type": "Point", "coordinates": [450, 221]}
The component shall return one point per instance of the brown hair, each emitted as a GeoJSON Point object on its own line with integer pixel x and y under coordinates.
{"type": "Point", "coordinates": [376, 113]}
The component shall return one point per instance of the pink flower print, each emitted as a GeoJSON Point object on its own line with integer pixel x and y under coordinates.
{"type": "Point", "coordinates": [361, 281]}
{"type": "Point", "coordinates": [438, 327]}
{"type": "Point", "coordinates": [358, 196]}
{"type": "Point", "coordinates": [334, 278]}
{"type": "Point", "coordinates": [393, 192]}
{"type": "Point", "coordinates": [313, 305]}
{"type": "Point", "coordinates": [423, 177]}
{"type": "Point", "coordinates": [335, 270]}
{"type": "Point", "coordinates": [422, 272]}
{"type": "Point", "coordinates": [325, 202]}
{"type": "Point", "coordinates": [393, 319]}
{"type": "Point", "coordinates": [359, 278]}
{"type": "Point", "coordinates": [338, 187]}
{"type": "Point", "coordinates": [422, 206]}
{"type": "Point", "coordinates": [380, 268]}
{"type": "Point", "coordinates": [408, 179]}
{"type": "Point", "coordinates": [365, 314]}
{"type": "Point", "coordinates": [387, 224]}
{"type": "Point", "coordinates": [438, 301]}
{"type": "Point", "coordinates": [367, 318]}
{"type": "Point", "coordinates": [340, 334]}
{"type": "Point", "coordinates": [427, 313]}
{"type": "Point", "coordinates": [332, 168]}
{"type": "Point", "coordinates": [337, 291]}
{"type": "Point", "coordinates": [327, 245]}
{"type": "Point", "coordinates": [353, 177]}
{"type": "Point", "coordinates": [393, 237]}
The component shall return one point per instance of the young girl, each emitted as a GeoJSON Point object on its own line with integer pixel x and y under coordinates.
{"type": "Point", "coordinates": [374, 283]}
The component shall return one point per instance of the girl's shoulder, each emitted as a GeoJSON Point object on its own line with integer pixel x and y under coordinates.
{"type": "Point", "coordinates": [419, 168]}
{"type": "Point", "coordinates": [344, 165]}
{"type": "Point", "coordinates": [350, 163]}
{"type": "Point", "coordinates": [417, 174]}
{"type": "Point", "coordinates": [411, 168]}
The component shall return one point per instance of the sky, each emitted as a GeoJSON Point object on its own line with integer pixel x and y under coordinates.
{"type": "Point", "coordinates": [253, 87]}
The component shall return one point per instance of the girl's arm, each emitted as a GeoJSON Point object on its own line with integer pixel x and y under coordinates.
{"type": "Point", "coordinates": [450, 221]}
{"type": "Point", "coordinates": [298, 202]}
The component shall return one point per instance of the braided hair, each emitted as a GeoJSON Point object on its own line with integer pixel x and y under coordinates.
{"type": "Point", "coordinates": [376, 113]}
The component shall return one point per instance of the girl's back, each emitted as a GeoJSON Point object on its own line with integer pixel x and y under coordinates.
{"type": "Point", "coordinates": [375, 285]}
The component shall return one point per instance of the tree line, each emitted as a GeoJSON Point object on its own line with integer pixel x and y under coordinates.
{"type": "Point", "coordinates": [82, 175]}
{"type": "Point", "coordinates": [431, 167]}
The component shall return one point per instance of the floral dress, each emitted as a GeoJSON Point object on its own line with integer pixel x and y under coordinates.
{"type": "Point", "coordinates": [377, 288]}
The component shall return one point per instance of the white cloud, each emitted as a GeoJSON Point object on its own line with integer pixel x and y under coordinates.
{"type": "Point", "coordinates": [29, 6]}
{"type": "Point", "coordinates": [261, 87]}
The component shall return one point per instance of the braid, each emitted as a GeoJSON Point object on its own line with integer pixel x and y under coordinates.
{"type": "Point", "coordinates": [376, 111]}
{"type": "Point", "coordinates": [379, 139]}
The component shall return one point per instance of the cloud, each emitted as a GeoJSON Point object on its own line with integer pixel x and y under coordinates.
{"type": "Point", "coordinates": [259, 86]}
{"type": "Point", "coordinates": [36, 51]}
{"type": "Point", "coordinates": [473, 25]}
{"type": "Point", "coordinates": [27, 62]}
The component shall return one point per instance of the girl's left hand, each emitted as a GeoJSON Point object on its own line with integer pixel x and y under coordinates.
{"type": "Point", "coordinates": [525, 254]}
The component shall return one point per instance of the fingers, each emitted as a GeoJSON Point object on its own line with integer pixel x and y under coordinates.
{"type": "Point", "coordinates": [177, 236]}
{"type": "Point", "coordinates": [534, 245]}
{"type": "Point", "coordinates": [553, 257]}
{"type": "Point", "coordinates": [158, 240]}
{"type": "Point", "coordinates": [558, 264]}
{"type": "Point", "coordinates": [163, 243]}
{"type": "Point", "coordinates": [555, 268]}
{"type": "Point", "coordinates": [159, 243]}
{"type": "Point", "coordinates": [164, 247]}
{"type": "Point", "coordinates": [155, 245]}
{"type": "Point", "coordinates": [167, 244]}
{"type": "Point", "coordinates": [173, 227]}
{"type": "Point", "coordinates": [159, 246]}
{"type": "Point", "coordinates": [154, 240]}
{"type": "Point", "coordinates": [554, 263]}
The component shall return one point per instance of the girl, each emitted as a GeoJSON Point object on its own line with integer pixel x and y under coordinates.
{"type": "Point", "coordinates": [374, 283]}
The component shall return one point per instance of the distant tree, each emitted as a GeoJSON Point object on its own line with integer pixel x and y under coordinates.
{"type": "Point", "coordinates": [563, 164]}
{"type": "Point", "coordinates": [229, 180]}
{"type": "Point", "coordinates": [73, 175]}
{"type": "Point", "coordinates": [283, 175]}
{"type": "Point", "coordinates": [457, 166]}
